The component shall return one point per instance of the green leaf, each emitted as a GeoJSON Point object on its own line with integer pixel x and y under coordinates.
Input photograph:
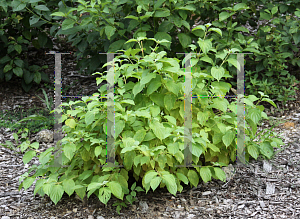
{"type": "Point", "coordinates": [116, 189]}
{"type": "Point", "coordinates": [170, 182]}
{"type": "Point", "coordinates": [139, 135]}
{"type": "Point", "coordinates": [18, 71]}
{"type": "Point", "coordinates": [28, 156]}
{"type": "Point", "coordinates": [173, 148]}
{"type": "Point", "coordinates": [131, 102]}
{"type": "Point", "coordinates": [171, 119]}
{"type": "Point", "coordinates": [86, 174]}
{"type": "Point", "coordinates": [162, 12]}
{"type": "Point", "coordinates": [109, 31]}
{"type": "Point", "coordinates": [240, 6]}
{"type": "Point", "coordinates": [207, 59]}
{"type": "Point", "coordinates": [70, 30]}
{"type": "Point", "coordinates": [158, 129]}
{"type": "Point", "coordinates": [169, 101]}
{"type": "Point", "coordinates": [80, 191]}
{"type": "Point", "coordinates": [234, 62]}
{"type": "Point", "coordinates": [277, 142]}
{"type": "Point", "coordinates": [205, 174]}
{"type": "Point", "coordinates": [213, 147]}
{"type": "Point", "coordinates": [39, 185]}
{"type": "Point", "coordinates": [217, 30]}
{"type": "Point", "coordinates": [199, 27]}
{"type": "Point", "coordinates": [67, 24]}
{"type": "Point", "coordinates": [265, 16]}
{"type": "Point", "coordinates": [165, 26]}
{"type": "Point", "coordinates": [197, 150]}
{"type": "Point", "coordinates": [20, 7]}
{"type": "Point", "coordinates": [15, 136]}
{"type": "Point", "coordinates": [132, 17]}
{"type": "Point", "coordinates": [155, 182]}
{"type": "Point", "coordinates": [220, 104]}
{"type": "Point", "coordinates": [220, 174]}
{"type": "Point", "coordinates": [269, 101]}
{"type": "Point", "coordinates": [146, 77]}
{"type": "Point", "coordinates": [18, 62]}
{"type": "Point", "coordinates": [28, 182]}
{"type": "Point", "coordinates": [153, 86]}
{"type": "Point", "coordinates": [228, 137]}
{"type": "Point", "coordinates": [149, 176]}
{"type": "Point", "coordinates": [182, 178]}
{"type": "Point", "coordinates": [205, 45]}
{"type": "Point", "coordinates": [128, 159]}
{"type": "Point", "coordinates": [187, 8]}
{"type": "Point", "coordinates": [33, 20]}
{"type": "Point", "coordinates": [18, 48]}
{"type": "Point", "coordinates": [137, 88]}
{"type": "Point", "coordinates": [154, 110]}
{"type": "Point", "coordinates": [71, 123]}
{"type": "Point", "coordinates": [217, 72]}
{"type": "Point", "coordinates": [42, 39]}
{"type": "Point", "coordinates": [45, 156]}
{"type": "Point", "coordinates": [5, 59]}
{"type": "Point", "coordinates": [296, 37]}
{"type": "Point", "coordinates": [93, 186]}
{"type": "Point", "coordinates": [98, 150]}
{"type": "Point", "coordinates": [68, 186]}
{"type": "Point", "coordinates": [158, 4]}
{"type": "Point", "coordinates": [47, 188]}
{"type": "Point", "coordinates": [193, 177]}
{"type": "Point", "coordinates": [120, 125]}
{"type": "Point", "coordinates": [7, 68]}
{"type": "Point", "coordinates": [89, 117]}
{"type": "Point", "coordinates": [184, 39]}
{"type": "Point", "coordinates": [145, 160]}
{"type": "Point", "coordinates": [37, 77]}
{"type": "Point", "coordinates": [254, 115]}
{"type": "Point", "coordinates": [223, 16]}
{"type": "Point", "coordinates": [274, 10]}
{"type": "Point", "coordinates": [61, 14]}
{"type": "Point", "coordinates": [143, 113]}
{"type": "Point", "coordinates": [243, 29]}
{"type": "Point", "coordinates": [222, 54]}
{"type": "Point", "coordinates": [42, 8]}
{"type": "Point", "coordinates": [56, 193]}
{"type": "Point", "coordinates": [69, 150]}
{"type": "Point", "coordinates": [252, 150]}
{"type": "Point", "coordinates": [266, 149]}
{"type": "Point", "coordinates": [158, 99]}
{"type": "Point", "coordinates": [173, 87]}
{"type": "Point", "coordinates": [104, 195]}
{"type": "Point", "coordinates": [115, 46]}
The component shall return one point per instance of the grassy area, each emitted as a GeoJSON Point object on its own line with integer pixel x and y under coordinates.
{"type": "Point", "coordinates": [9, 118]}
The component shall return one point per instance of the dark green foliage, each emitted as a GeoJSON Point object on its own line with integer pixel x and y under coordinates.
{"type": "Point", "coordinates": [274, 49]}
{"type": "Point", "coordinates": [24, 24]}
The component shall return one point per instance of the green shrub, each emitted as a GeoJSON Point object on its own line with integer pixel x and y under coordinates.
{"type": "Point", "coordinates": [149, 130]}
{"type": "Point", "coordinates": [25, 23]}
{"type": "Point", "coordinates": [17, 32]}
{"type": "Point", "coordinates": [274, 48]}
{"type": "Point", "coordinates": [172, 20]}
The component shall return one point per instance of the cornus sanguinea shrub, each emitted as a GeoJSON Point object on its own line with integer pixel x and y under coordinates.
{"type": "Point", "coordinates": [149, 128]}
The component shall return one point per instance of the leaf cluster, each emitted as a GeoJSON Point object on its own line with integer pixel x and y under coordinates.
{"type": "Point", "coordinates": [149, 129]}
